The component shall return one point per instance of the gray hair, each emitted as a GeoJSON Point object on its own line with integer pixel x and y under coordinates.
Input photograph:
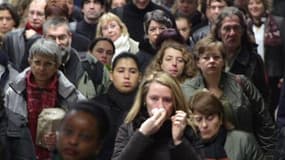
{"type": "Point", "coordinates": [46, 47]}
{"type": "Point", "coordinates": [56, 21]}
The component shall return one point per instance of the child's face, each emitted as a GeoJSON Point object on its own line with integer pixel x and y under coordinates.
{"type": "Point", "coordinates": [78, 136]}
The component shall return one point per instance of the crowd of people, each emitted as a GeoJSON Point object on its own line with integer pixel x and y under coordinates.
{"type": "Point", "coordinates": [141, 80]}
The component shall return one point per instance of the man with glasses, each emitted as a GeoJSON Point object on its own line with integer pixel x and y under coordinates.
{"type": "Point", "coordinates": [15, 44]}
{"type": "Point", "coordinates": [76, 66]}
{"type": "Point", "coordinates": [230, 27]}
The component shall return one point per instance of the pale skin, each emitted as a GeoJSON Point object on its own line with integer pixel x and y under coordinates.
{"type": "Point", "coordinates": [154, 123]}
{"type": "Point", "coordinates": [160, 108]}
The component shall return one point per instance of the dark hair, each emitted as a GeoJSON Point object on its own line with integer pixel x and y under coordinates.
{"type": "Point", "coordinates": [169, 34]}
{"type": "Point", "coordinates": [52, 9]}
{"type": "Point", "coordinates": [126, 55]}
{"type": "Point", "coordinates": [12, 10]}
{"type": "Point", "coordinates": [96, 110]}
{"type": "Point", "coordinates": [228, 2]}
{"type": "Point", "coordinates": [159, 16]}
{"type": "Point", "coordinates": [96, 40]}
{"type": "Point", "coordinates": [102, 2]}
{"type": "Point", "coordinates": [247, 36]}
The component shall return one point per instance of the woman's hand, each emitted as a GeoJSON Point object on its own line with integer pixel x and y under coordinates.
{"type": "Point", "coordinates": [49, 140]}
{"type": "Point", "coordinates": [153, 123]}
{"type": "Point", "coordinates": [179, 122]}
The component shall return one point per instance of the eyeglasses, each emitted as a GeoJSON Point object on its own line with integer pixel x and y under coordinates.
{"type": "Point", "coordinates": [228, 29]}
{"type": "Point", "coordinates": [62, 37]}
{"type": "Point", "coordinates": [37, 13]}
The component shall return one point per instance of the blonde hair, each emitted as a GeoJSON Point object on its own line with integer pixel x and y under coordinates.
{"type": "Point", "coordinates": [189, 69]}
{"type": "Point", "coordinates": [162, 78]}
{"type": "Point", "coordinates": [107, 17]}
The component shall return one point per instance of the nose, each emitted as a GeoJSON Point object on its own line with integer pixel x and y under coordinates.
{"type": "Point", "coordinates": [92, 5]}
{"type": "Point", "coordinates": [126, 75]}
{"type": "Point", "coordinates": [174, 62]}
{"type": "Point", "coordinates": [204, 124]}
{"type": "Point", "coordinates": [73, 139]}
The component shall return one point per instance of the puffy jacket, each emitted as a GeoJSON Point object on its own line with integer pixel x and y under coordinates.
{"type": "Point", "coordinates": [19, 141]}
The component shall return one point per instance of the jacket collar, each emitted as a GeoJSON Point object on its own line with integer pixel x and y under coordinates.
{"type": "Point", "coordinates": [65, 87]}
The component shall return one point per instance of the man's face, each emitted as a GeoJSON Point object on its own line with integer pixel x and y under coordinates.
{"type": "Point", "coordinates": [92, 10]}
{"type": "Point", "coordinates": [36, 14]}
{"type": "Point", "coordinates": [231, 32]}
{"type": "Point", "coordinates": [215, 8]}
{"type": "Point", "coordinates": [60, 35]}
{"type": "Point", "coordinates": [141, 4]}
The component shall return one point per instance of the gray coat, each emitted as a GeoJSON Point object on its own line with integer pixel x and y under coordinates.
{"type": "Point", "coordinates": [242, 146]}
{"type": "Point", "coordinates": [19, 142]}
{"type": "Point", "coordinates": [246, 109]}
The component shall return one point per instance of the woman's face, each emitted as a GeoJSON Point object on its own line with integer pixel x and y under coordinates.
{"type": "Point", "coordinates": [172, 62]}
{"type": "Point", "coordinates": [112, 30]}
{"type": "Point", "coordinates": [208, 125]}
{"type": "Point", "coordinates": [159, 96]}
{"type": "Point", "coordinates": [125, 75]}
{"type": "Point", "coordinates": [256, 8]}
{"type": "Point", "coordinates": [6, 21]}
{"type": "Point", "coordinates": [211, 62]}
{"type": "Point", "coordinates": [43, 69]}
{"type": "Point", "coordinates": [78, 136]}
{"type": "Point", "coordinates": [183, 27]}
{"type": "Point", "coordinates": [154, 29]}
{"type": "Point", "coordinates": [103, 51]}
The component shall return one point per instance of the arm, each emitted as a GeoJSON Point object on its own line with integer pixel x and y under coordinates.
{"type": "Point", "coordinates": [264, 127]}
{"type": "Point", "coordinates": [252, 150]}
{"type": "Point", "coordinates": [184, 151]}
{"type": "Point", "coordinates": [130, 144]}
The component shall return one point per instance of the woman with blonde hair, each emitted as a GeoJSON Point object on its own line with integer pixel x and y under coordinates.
{"type": "Point", "coordinates": [175, 59]}
{"type": "Point", "coordinates": [111, 26]}
{"type": "Point", "coordinates": [157, 125]}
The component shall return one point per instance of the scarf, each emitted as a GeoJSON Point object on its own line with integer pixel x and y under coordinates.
{"type": "Point", "coordinates": [214, 148]}
{"type": "Point", "coordinates": [122, 45]}
{"type": "Point", "coordinates": [38, 30]}
{"type": "Point", "coordinates": [272, 35]}
{"type": "Point", "coordinates": [38, 99]}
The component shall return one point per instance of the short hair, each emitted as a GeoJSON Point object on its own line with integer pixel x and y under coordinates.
{"type": "Point", "coordinates": [102, 2]}
{"type": "Point", "coordinates": [206, 44]}
{"type": "Point", "coordinates": [158, 16]}
{"type": "Point", "coordinates": [107, 17]}
{"type": "Point", "coordinates": [99, 39]}
{"type": "Point", "coordinates": [228, 2]}
{"type": "Point", "coordinates": [46, 47]}
{"type": "Point", "coordinates": [96, 110]}
{"type": "Point", "coordinates": [55, 21]}
{"type": "Point", "coordinates": [12, 10]}
{"type": "Point", "coordinates": [57, 10]}
{"type": "Point", "coordinates": [207, 104]}
{"type": "Point", "coordinates": [126, 55]}
{"type": "Point", "coordinates": [139, 108]}
{"type": "Point", "coordinates": [189, 69]}
{"type": "Point", "coordinates": [247, 36]}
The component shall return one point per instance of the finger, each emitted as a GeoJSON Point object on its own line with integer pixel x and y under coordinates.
{"type": "Point", "coordinates": [161, 118]}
